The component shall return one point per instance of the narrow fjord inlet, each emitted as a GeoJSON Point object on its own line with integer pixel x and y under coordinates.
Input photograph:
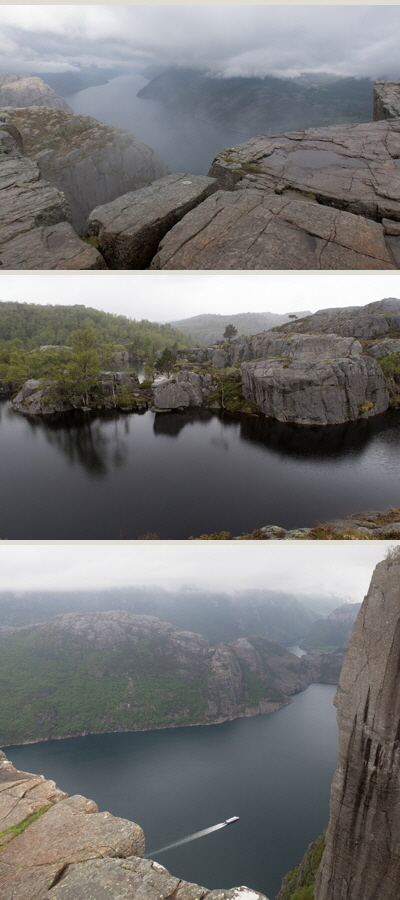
{"type": "Point", "coordinates": [274, 771]}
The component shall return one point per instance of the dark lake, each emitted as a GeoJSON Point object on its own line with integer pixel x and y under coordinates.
{"type": "Point", "coordinates": [273, 771]}
{"type": "Point", "coordinates": [120, 476]}
{"type": "Point", "coordinates": [185, 143]}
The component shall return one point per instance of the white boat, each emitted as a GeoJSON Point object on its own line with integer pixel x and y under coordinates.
{"type": "Point", "coordinates": [233, 819]}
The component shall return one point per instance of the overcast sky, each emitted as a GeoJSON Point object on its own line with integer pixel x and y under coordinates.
{"type": "Point", "coordinates": [238, 40]}
{"type": "Point", "coordinates": [334, 568]}
{"type": "Point", "coordinates": [168, 295]}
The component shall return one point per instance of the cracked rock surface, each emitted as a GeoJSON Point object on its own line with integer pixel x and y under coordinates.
{"type": "Point", "coordinates": [362, 855]}
{"type": "Point", "coordinates": [73, 852]}
{"type": "Point", "coordinates": [129, 229]}
{"type": "Point", "coordinates": [324, 198]}
{"type": "Point", "coordinates": [258, 229]}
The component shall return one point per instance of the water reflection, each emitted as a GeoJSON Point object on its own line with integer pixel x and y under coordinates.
{"type": "Point", "coordinates": [121, 475]}
{"type": "Point", "coordinates": [319, 442]}
{"type": "Point", "coordinates": [171, 424]}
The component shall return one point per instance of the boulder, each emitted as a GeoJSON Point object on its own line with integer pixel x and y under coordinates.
{"type": "Point", "coordinates": [129, 229]}
{"type": "Point", "coordinates": [90, 162]}
{"type": "Point", "coordinates": [258, 229]}
{"type": "Point", "coordinates": [188, 389]}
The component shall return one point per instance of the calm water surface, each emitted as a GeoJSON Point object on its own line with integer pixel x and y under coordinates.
{"type": "Point", "coordinates": [121, 476]}
{"type": "Point", "coordinates": [185, 143]}
{"type": "Point", "coordinates": [273, 771]}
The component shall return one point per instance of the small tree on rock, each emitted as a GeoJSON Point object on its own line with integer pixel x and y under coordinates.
{"type": "Point", "coordinates": [230, 332]}
{"type": "Point", "coordinates": [166, 364]}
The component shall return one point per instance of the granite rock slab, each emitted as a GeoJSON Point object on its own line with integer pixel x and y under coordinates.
{"type": "Point", "coordinates": [129, 229]}
{"type": "Point", "coordinates": [257, 229]}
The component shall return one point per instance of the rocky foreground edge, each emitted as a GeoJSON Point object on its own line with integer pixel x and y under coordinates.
{"type": "Point", "coordinates": [62, 848]}
{"type": "Point", "coordinates": [322, 198]}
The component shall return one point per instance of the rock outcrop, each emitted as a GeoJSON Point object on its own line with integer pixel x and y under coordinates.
{"type": "Point", "coordinates": [67, 850]}
{"type": "Point", "coordinates": [318, 370]}
{"type": "Point", "coordinates": [128, 230]}
{"type": "Point", "coordinates": [386, 100]}
{"type": "Point", "coordinates": [90, 162]}
{"type": "Point", "coordinates": [362, 857]}
{"type": "Point", "coordinates": [316, 391]}
{"type": "Point", "coordinates": [375, 320]}
{"type": "Point", "coordinates": [188, 389]}
{"type": "Point", "coordinates": [35, 398]}
{"type": "Point", "coordinates": [28, 90]}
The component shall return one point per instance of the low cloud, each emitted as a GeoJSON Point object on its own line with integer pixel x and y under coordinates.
{"type": "Point", "coordinates": [239, 40]}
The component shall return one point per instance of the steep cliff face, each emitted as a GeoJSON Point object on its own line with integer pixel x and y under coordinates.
{"type": "Point", "coordinates": [362, 855]}
{"type": "Point", "coordinates": [35, 228]}
{"type": "Point", "coordinates": [90, 162]}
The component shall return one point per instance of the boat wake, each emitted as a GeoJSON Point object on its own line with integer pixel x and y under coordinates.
{"type": "Point", "coordinates": [190, 837]}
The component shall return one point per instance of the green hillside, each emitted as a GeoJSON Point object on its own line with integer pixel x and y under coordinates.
{"type": "Point", "coordinates": [36, 325]}
{"type": "Point", "coordinates": [115, 671]}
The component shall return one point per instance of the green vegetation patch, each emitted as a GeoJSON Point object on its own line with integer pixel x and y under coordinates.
{"type": "Point", "coordinates": [228, 394]}
{"type": "Point", "coordinates": [252, 683]}
{"type": "Point", "coordinates": [18, 829]}
{"type": "Point", "coordinates": [299, 883]}
{"type": "Point", "coordinates": [53, 689]}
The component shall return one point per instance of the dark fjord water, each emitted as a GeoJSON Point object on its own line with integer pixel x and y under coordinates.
{"type": "Point", "coordinates": [121, 476]}
{"type": "Point", "coordinates": [185, 143]}
{"type": "Point", "coordinates": [273, 771]}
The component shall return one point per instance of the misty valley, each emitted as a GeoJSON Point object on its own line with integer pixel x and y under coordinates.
{"type": "Point", "coordinates": [123, 661]}
{"type": "Point", "coordinates": [187, 118]}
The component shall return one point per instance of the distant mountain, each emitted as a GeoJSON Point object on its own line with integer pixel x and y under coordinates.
{"type": "Point", "coordinates": [210, 327]}
{"type": "Point", "coordinates": [263, 105]}
{"type": "Point", "coordinates": [66, 83]}
{"type": "Point", "coordinates": [332, 633]}
{"type": "Point", "coordinates": [219, 617]}
{"type": "Point", "coordinates": [114, 671]}
{"type": "Point", "coordinates": [20, 89]}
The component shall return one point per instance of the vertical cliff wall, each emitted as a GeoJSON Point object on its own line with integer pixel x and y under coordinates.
{"type": "Point", "coordinates": [362, 855]}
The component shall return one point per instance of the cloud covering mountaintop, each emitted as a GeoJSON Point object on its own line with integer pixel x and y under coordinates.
{"type": "Point", "coordinates": [227, 41]}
